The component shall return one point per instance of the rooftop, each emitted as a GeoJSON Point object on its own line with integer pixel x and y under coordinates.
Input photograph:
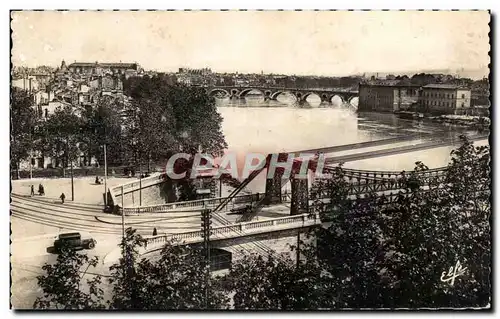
{"type": "Point", "coordinates": [442, 86]}
{"type": "Point", "coordinates": [118, 65]}
{"type": "Point", "coordinates": [396, 83]}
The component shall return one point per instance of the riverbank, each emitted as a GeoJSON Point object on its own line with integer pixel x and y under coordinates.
{"type": "Point", "coordinates": [464, 120]}
{"type": "Point", "coordinates": [479, 122]}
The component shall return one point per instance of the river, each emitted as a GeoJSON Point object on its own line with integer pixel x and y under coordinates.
{"type": "Point", "coordinates": [255, 125]}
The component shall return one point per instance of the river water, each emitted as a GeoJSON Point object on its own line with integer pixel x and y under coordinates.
{"type": "Point", "coordinates": [255, 125]}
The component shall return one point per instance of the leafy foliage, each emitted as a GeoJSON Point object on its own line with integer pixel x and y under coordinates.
{"type": "Point", "coordinates": [392, 253]}
{"type": "Point", "coordinates": [271, 283]}
{"type": "Point", "coordinates": [170, 118]}
{"type": "Point", "coordinates": [62, 285]}
{"type": "Point", "coordinates": [177, 280]}
{"type": "Point", "coordinates": [103, 125]}
{"type": "Point", "coordinates": [23, 121]}
{"type": "Point", "coordinates": [349, 247]}
{"type": "Point", "coordinates": [61, 133]}
{"type": "Point", "coordinates": [124, 275]}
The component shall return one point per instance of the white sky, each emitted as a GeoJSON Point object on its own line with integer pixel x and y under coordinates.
{"type": "Point", "coordinates": [307, 42]}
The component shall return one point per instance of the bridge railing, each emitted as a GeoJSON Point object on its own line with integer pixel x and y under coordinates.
{"type": "Point", "coordinates": [391, 172]}
{"type": "Point", "coordinates": [136, 184]}
{"type": "Point", "coordinates": [207, 202]}
{"type": "Point", "coordinates": [237, 230]}
{"type": "Point", "coordinates": [355, 172]}
{"type": "Point", "coordinates": [359, 187]}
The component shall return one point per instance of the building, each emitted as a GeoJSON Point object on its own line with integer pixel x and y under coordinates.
{"type": "Point", "coordinates": [387, 96]}
{"type": "Point", "coordinates": [445, 99]}
{"type": "Point", "coordinates": [202, 72]}
{"type": "Point", "coordinates": [128, 69]}
{"type": "Point", "coordinates": [184, 78]}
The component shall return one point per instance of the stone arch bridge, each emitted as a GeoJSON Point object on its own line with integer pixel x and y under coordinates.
{"type": "Point", "coordinates": [272, 93]}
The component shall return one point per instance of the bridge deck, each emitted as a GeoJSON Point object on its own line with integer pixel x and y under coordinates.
{"type": "Point", "coordinates": [236, 230]}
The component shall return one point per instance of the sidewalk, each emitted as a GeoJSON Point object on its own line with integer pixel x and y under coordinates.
{"type": "Point", "coordinates": [85, 190]}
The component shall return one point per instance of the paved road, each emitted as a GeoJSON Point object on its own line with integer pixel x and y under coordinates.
{"type": "Point", "coordinates": [36, 223]}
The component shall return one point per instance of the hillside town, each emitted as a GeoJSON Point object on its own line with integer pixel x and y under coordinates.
{"type": "Point", "coordinates": [82, 84]}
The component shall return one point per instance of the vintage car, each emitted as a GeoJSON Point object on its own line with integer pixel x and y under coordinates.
{"type": "Point", "coordinates": [73, 241]}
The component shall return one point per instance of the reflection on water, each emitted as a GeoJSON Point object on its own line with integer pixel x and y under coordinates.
{"type": "Point", "coordinates": [255, 125]}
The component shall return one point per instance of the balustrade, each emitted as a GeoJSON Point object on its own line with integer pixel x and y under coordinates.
{"type": "Point", "coordinates": [238, 229]}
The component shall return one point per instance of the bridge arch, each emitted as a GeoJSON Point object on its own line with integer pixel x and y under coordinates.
{"type": "Point", "coordinates": [244, 92]}
{"type": "Point", "coordinates": [339, 96]}
{"type": "Point", "coordinates": [215, 92]}
{"type": "Point", "coordinates": [350, 99]}
{"type": "Point", "coordinates": [305, 96]}
{"type": "Point", "coordinates": [274, 95]}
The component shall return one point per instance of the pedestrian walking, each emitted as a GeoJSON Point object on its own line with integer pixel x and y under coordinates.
{"type": "Point", "coordinates": [41, 190]}
{"type": "Point", "coordinates": [32, 190]}
{"type": "Point", "coordinates": [155, 232]}
{"type": "Point", "coordinates": [62, 197]}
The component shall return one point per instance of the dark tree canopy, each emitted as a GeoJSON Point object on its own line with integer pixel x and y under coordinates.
{"type": "Point", "coordinates": [23, 120]}
{"type": "Point", "coordinates": [171, 118]}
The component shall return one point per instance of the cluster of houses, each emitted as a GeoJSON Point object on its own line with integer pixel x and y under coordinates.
{"type": "Point", "coordinates": [76, 84]}
{"type": "Point", "coordinates": [205, 77]}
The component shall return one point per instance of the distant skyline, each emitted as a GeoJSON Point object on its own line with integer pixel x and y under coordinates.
{"type": "Point", "coordinates": [324, 43]}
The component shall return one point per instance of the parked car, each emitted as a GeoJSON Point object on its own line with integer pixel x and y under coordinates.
{"type": "Point", "coordinates": [74, 241]}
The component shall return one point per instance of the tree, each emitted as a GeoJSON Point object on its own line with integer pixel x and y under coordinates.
{"type": "Point", "coordinates": [124, 276]}
{"type": "Point", "coordinates": [392, 253]}
{"type": "Point", "coordinates": [173, 280]}
{"type": "Point", "coordinates": [165, 119]}
{"type": "Point", "coordinates": [176, 280]}
{"type": "Point", "coordinates": [172, 118]}
{"type": "Point", "coordinates": [62, 131]}
{"type": "Point", "coordinates": [102, 125]}
{"type": "Point", "coordinates": [198, 124]}
{"type": "Point", "coordinates": [349, 247]}
{"type": "Point", "coordinates": [433, 230]}
{"type": "Point", "coordinates": [23, 120]}
{"type": "Point", "coordinates": [62, 285]}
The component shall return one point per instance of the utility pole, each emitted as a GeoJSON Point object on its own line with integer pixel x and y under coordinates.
{"type": "Point", "coordinates": [220, 186]}
{"type": "Point", "coordinates": [206, 221]}
{"type": "Point", "coordinates": [123, 218]}
{"type": "Point", "coordinates": [72, 185]}
{"type": "Point", "coordinates": [298, 249]}
{"type": "Point", "coordinates": [105, 177]}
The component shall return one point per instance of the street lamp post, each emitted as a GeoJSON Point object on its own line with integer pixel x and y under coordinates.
{"type": "Point", "coordinates": [105, 178]}
{"type": "Point", "coordinates": [140, 182]}
{"type": "Point", "coordinates": [72, 185]}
